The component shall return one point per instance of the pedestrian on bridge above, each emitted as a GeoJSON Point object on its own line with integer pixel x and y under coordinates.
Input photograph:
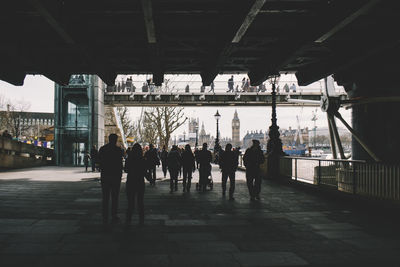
{"type": "Point", "coordinates": [230, 84]}
{"type": "Point", "coordinates": [253, 158]}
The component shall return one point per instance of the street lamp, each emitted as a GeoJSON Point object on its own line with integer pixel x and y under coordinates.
{"type": "Point", "coordinates": [274, 145]}
{"type": "Point", "coordinates": [184, 135]}
{"type": "Point", "coordinates": [196, 128]}
{"type": "Point", "coordinates": [217, 116]}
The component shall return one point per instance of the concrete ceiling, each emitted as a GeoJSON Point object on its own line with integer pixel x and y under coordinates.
{"type": "Point", "coordinates": [260, 37]}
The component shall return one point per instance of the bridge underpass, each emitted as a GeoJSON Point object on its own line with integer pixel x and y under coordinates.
{"type": "Point", "coordinates": [351, 39]}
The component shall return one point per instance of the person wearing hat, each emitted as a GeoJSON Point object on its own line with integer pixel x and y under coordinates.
{"type": "Point", "coordinates": [253, 158]}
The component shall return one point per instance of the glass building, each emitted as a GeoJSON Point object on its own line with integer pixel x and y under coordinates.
{"type": "Point", "coordinates": [79, 118]}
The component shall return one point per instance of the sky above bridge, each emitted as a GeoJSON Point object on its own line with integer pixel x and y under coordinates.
{"type": "Point", "coordinates": [38, 91]}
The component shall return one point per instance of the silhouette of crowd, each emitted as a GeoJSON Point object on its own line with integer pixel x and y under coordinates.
{"type": "Point", "coordinates": [140, 165]}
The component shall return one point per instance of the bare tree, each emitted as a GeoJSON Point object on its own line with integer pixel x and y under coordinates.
{"type": "Point", "coordinates": [12, 118]}
{"type": "Point", "coordinates": [148, 131]}
{"type": "Point", "coordinates": [166, 120]}
{"type": "Point", "coordinates": [126, 121]}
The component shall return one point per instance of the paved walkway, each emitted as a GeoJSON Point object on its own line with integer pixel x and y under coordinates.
{"type": "Point", "coordinates": [51, 217]}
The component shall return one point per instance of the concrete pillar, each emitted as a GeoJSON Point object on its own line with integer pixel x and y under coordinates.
{"type": "Point", "coordinates": [378, 124]}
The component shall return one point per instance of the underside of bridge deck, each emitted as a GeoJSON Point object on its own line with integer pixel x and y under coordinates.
{"type": "Point", "coordinates": [314, 38]}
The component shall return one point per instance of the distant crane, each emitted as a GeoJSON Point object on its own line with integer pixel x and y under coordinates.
{"type": "Point", "coordinates": [314, 119]}
{"type": "Point", "coordinates": [298, 132]}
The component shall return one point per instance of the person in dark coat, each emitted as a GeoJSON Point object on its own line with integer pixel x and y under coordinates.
{"type": "Point", "coordinates": [93, 157]}
{"type": "Point", "coordinates": [86, 159]}
{"type": "Point", "coordinates": [152, 160]}
{"type": "Point", "coordinates": [110, 159]}
{"type": "Point", "coordinates": [163, 157]}
{"type": "Point", "coordinates": [253, 158]}
{"type": "Point", "coordinates": [189, 167]}
{"type": "Point", "coordinates": [228, 164]}
{"type": "Point", "coordinates": [205, 159]}
{"type": "Point", "coordinates": [135, 167]}
{"type": "Point", "coordinates": [174, 162]}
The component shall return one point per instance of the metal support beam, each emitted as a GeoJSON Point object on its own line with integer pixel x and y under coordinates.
{"type": "Point", "coordinates": [154, 50]}
{"type": "Point", "coordinates": [361, 142]}
{"type": "Point", "coordinates": [251, 15]}
{"type": "Point", "coordinates": [336, 135]}
{"type": "Point", "coordinates": [332, 137]}
{"type": "Point", "coordinates": [213, 68]}
{"type": "Point", "coordinates": [363, 10]}
{"type": "Point", "coordinates": [149, 21]}
{"type": "Point", "coordinates": [41, 9]}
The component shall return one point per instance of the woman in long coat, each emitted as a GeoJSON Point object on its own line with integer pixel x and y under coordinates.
{"type": "Point", "coordinates": [136, 168]}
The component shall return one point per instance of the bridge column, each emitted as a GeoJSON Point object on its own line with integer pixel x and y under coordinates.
{"type": "Point", "coordinates": [375, 118]}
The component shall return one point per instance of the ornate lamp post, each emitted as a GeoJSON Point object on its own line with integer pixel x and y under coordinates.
{"type": "Point", "coordinates": [196, 128]}
{"type": "Point", "coordinates": [274, 145]}
{"type": "Point", "coordinates": [217, 116]}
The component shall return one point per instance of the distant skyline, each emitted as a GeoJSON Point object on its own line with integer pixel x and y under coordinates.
{"type": "Point", "coordinates": [39, 92]}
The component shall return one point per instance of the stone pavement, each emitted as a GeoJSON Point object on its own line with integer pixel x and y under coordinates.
{"type": "Point", "coordinates": [50, 216]}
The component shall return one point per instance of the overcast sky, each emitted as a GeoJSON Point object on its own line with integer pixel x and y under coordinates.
{"type": "Point", "coordinates": [38, 91]}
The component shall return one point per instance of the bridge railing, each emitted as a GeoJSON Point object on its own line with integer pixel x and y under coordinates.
{"type": "Point", "coordinates": [181, 87]}
{"type": "Point", "coordinates": [15, 154]}
{"type": "Point", "coordinates": [376, 180]}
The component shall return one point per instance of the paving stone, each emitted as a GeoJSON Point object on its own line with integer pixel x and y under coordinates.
{"type": "Point", "coordinates": [207, 247]}
{"type": "Point", "coordinates": [191, 237]}
{"type": "Point", "coordinates": [204, 259]}
{"type": "Point", "coordinates": [343, 234]}
{"type": "Point", "coordinates": [269, 259]}
{"type": "Point", "coordinates": [334, 226]}
{"type": "Point", "coordinates": [184, 222]}
{"type": "Point", "coordinates": [51, 216]}
{"type": "Point", "coordinates": [30, 248]}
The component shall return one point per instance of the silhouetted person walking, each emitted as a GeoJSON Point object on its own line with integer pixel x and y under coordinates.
{"type": "Point", "coordinates": [174, 162]}
{"type": "Point", "coordinates": [110, 158]}
{"type": "Point", "coordinates": [86, 159]}
{"type": "Point", "coordinates": [205, 159]}
{"type": "Point", "coordinates": [189, 167]}
{"type": "Point", "coordinates": [228, 163]}
{"type": "Point", "coordinates": [135, 167]}
{"type": "Point", "coordinates": [152, 160]}
{"type": "Point", "coordinates": [253, 158]}
{"type": "Point", "coordinates": [163, 157]}
{"type": "Point", "coordinates": [93, 157]}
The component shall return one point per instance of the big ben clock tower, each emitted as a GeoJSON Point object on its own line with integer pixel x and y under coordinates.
{"type": "Point", "coordinates": [235, 130]}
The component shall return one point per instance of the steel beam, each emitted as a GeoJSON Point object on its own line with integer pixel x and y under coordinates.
{"type": "Point", "coordinates": [212, 70]}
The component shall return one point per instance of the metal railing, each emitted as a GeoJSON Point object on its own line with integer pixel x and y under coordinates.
{"type": "Point", "coordinates": [375, 180]}
{"type": "Point", "coordinates": [219, 87]}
